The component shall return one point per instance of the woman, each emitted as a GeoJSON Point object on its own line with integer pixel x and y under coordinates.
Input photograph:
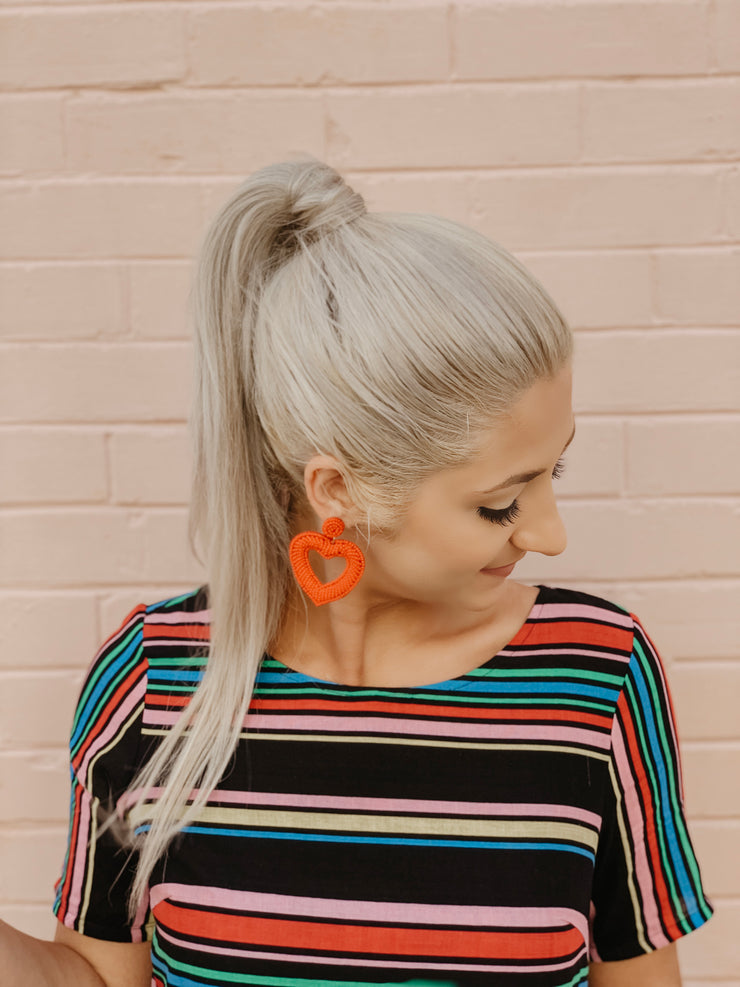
{"type": "Point", "coordinates": [444, 776]}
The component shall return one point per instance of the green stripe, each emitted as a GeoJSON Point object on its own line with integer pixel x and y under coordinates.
{"type": "Point", "coordinates": [183, 659]}
{"type": "Point", "coordinates": [257, 981]}
{"type": "Point", "coordinates": [102, 668]}
{"type": "Point", "coordinates": [667, 748]}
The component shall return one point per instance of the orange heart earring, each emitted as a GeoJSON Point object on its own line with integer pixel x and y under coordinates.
{"type": "Point", "coordinates": [328, 548]}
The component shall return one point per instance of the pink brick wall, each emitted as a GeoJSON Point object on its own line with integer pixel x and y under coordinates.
{"type": "Point", "coordinates": [597, 139]}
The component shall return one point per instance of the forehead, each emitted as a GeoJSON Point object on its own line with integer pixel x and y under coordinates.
{"type": "Point", "coordinates": [530, 437]}
{"type": "Point", "coordinates": [536, 420]}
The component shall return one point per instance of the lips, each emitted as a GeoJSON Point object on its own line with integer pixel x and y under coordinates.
{"type": "Point", "coordinates": [504, 570]}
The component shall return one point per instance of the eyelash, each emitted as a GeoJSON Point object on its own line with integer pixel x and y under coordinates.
{"type": "Point", "coordinates": [511, 513]}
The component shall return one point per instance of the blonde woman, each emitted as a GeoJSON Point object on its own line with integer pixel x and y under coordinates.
{"type": "Point", "coordinates": [364, 753]}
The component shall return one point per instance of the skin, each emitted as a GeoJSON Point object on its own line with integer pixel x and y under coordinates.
{"type": "Point", "coordinates": [423, 610]}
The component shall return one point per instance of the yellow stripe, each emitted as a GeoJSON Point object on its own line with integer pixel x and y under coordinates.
{"type": "Point", "coordinates": [407, 742]}
{"type": "Point", "coordinates": [433, 826]}
{"type": "Point", "coordinates": [92, 839]}
{"type": "Point", "coordinates": [628, 861]}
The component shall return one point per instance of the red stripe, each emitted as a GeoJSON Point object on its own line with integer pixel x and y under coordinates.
{"type": "Point", "coordinates": [104, 715]}
{"type": "Point", "coordinates": [338, 937]}
{"type": "Point", "coordinates": [74, 836]}
{"type": "Point", "coordinates": [579, 632]}
{"type": "Point", "coordinates": [651, 837]}
{"type": "Point", "coordinates": [181, 631]}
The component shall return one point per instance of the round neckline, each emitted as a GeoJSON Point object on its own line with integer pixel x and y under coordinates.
{"type": "Point", "coordinates": [457, 682]}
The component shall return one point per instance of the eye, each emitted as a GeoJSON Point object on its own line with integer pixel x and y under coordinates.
{"type": "Point", "coordinates": [559, 469]}
{"type": "Point", "coordinates": [505, 516]}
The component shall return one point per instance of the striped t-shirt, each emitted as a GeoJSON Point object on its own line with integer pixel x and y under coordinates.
{"type": "Point", "coordinates": [507, 826]}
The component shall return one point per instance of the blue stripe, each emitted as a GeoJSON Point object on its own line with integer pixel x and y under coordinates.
{"type": "Point", "coordinates": [379, 841]}
{"type": "Point", "coordinates": [107, 683]}
{"type": "Point", "coordinates": [648, 715]}
{"type": "Point", "coordinates": [471, 686]}
{"type": "Point", "coordinates": [176, 675]}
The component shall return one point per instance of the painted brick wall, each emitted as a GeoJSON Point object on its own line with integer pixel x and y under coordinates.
{"type": "Point", "coordinates": [597, 139]}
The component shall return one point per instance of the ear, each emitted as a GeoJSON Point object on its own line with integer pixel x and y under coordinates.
{"type": "Point", "coordinates": [326, 489]}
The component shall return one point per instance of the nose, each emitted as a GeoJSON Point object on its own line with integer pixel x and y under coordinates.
{"type": "Point", "coordinates": [541, 529]}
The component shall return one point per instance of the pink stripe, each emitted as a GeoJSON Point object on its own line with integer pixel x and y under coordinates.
{"type": "Point", "coordinates": [349, 803]}
{"type": "Point", "coordinates": [569, 610]}
{"type": "Point", "coordinates": [636, 822]}
{"type": "Point", "coordinates": [113, 726]}
{"type": "Point", "coordinates": [566, 649]}
{"type": "Point", "coordinates": [386, 912]}
{"type": "Point", "coordinates": [173, 642]}
{"type": "Point", "coordinates": [379, 724]}
{"type": "Point", "coordinates": [344, 961]}
{"type": "Point", "coordinates": [180, 617]}
{"type": "Point", "coordinates": [405, 728]}
{"type": "Point", "coordinates": [78, 865]}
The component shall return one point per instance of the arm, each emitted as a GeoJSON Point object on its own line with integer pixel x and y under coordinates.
{"type": "Point", "coordinates": [656, 969]}
{"type": "Point", "coordinates": [72, 960]}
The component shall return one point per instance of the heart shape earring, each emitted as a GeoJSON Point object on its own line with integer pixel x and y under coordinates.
{"type": "Point", "coordinates": [330, 546]}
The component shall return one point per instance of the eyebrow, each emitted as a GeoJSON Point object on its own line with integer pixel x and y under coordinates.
{"type": "Point", "coordinates": [517, 478]}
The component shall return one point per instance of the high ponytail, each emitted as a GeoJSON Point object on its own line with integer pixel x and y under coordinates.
{"type": "Point", "coordinates": [386, 341]}
{"type": "Point", "coordinates": [239, 491]}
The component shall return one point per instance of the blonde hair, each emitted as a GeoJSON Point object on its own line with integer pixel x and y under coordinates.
{"type": "Point", "coordinates": [384, 340]}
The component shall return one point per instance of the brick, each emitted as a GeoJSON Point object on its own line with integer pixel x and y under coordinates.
{"type": "Point", "coordinates": [62, 301]}
{"type": "Point", "coordinates": [732, 203]}
{"type": "Point", "coordinates": [43, 465]}
{"type": "Point", "coordinates": [78, 548]}
{"type": "Point", "coordinates": [593, 463]}
{"type": "Point", "coordinates": [33, 140]}
{"type": "Point", "coordinates": [43, 630]}
{"type": "Point", "coordinates": [698, 287]}
{"type": "Point", "coordinates": [88, 382]}
{"type": "Point", "coordinates": [707, 698]}
{"type": "Point", "coordinates": [683, 455]}
{"type": "Point", "coordinates": [688, 619]}
{"type": "Point", "coordinates": [185, 132]}
{"type": "Point", "coordinates": [78, 47]}
{"type": "Point", "coordinates": [150, 466]}
{"type": "Point", "coordinates": [30, 862]}
{"type": "Point", "coordinates": [726, 35]}
{"type": "Point", "coordinates": [680, 120]}
{"type": "Point", "coordinates": [98, 218]}
{"type": "Point", "coordinates": [602, 290]}
{"type": "Point", "coordinates": [520, 39]}
{"type": "Point", "coordinates": [713, 951]}
{"type": "Point", "coordinates": [657, 371]}
{"type": "Point", "coordinates": [36, 708]}
{"type": "Point", "coordinates": [463, 127]}
{"type": "Point", "coordinates": [35, 784]}
{"type": "Point", "coordinates": [605, 207]}
{"type": "Point", "coordinates": [708, 770]}
{"type": "Point", "coordinates": [35, 920]}
{"type": "Point", "coordinates": [633, 539]}
{"type": "Point", "coordinates": [159, 299]}
{"type": "Point", "coordinates": [317, 44]}
{"type": "Point", "coordinates": [716, 842]}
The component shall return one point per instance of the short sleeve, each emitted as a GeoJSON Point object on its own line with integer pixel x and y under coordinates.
{"type": "Point", "coordinates": [647, 888]}
{"type": "Point", "coordinates": [97, 874]}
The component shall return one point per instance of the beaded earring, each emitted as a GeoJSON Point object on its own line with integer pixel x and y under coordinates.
{"type": "Point", "coordinates": [330, 546]}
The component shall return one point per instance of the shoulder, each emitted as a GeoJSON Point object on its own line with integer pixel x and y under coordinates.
{"type": "Point", "coordinates": [117, 681]}
{"type": "Point", "coordinates": [586, 616]}
{"type": "Point", "coordinates": [179, 618]}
